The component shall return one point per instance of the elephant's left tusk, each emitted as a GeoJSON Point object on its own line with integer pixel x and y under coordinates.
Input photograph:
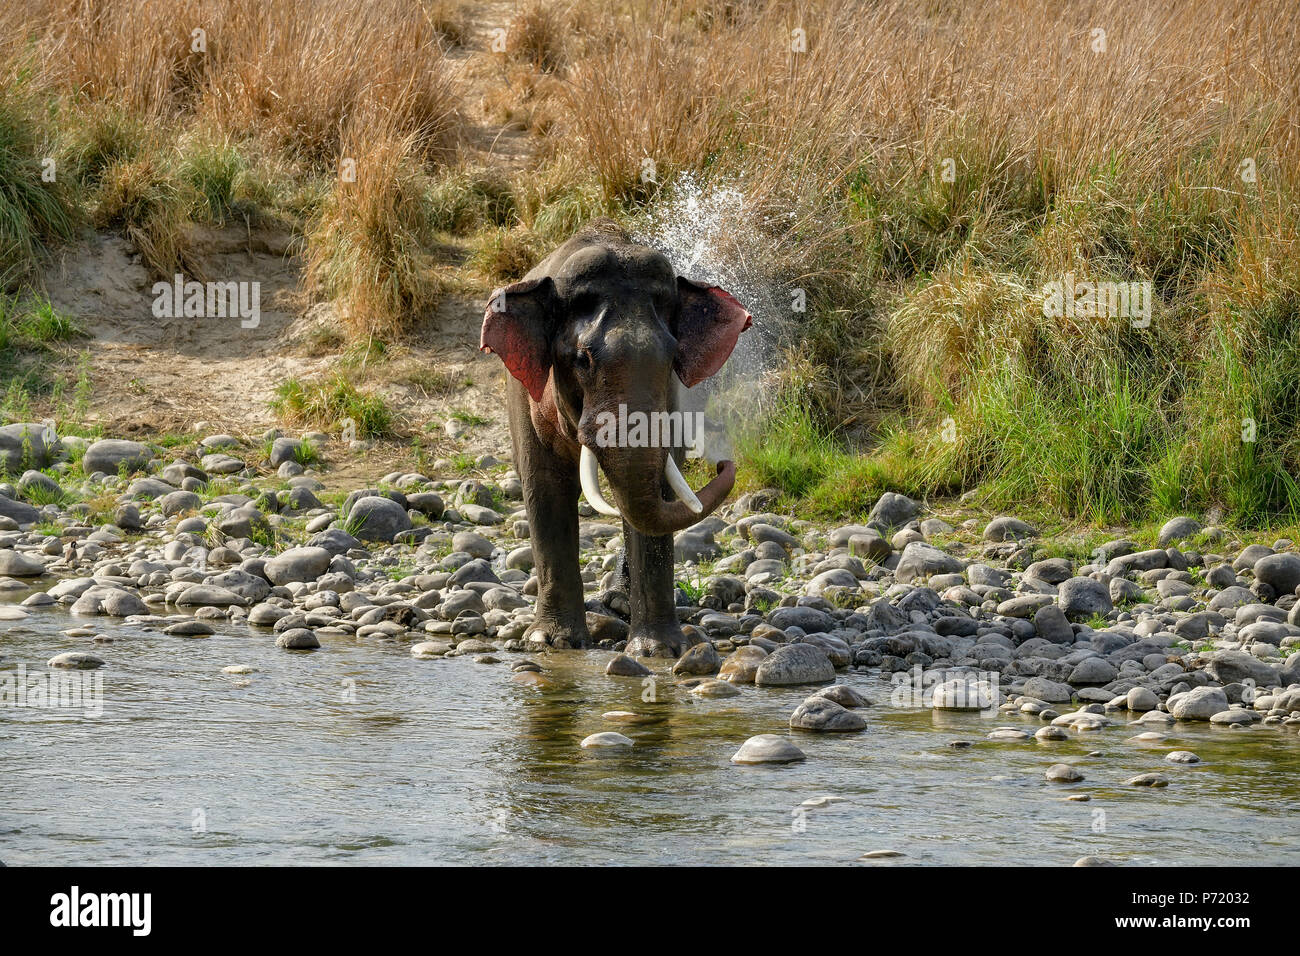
{"type": "Point", "coordinates": [589, 474]}
{"type": "Point", "coordinates": [677, 481]}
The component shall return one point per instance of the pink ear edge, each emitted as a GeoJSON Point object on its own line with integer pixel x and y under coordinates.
{"type": "Point", "coordinates": [513, 352]}
{"type": "Point", "coordinates": [697, 373]}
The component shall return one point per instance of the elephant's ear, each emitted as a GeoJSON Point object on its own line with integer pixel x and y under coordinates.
{"type": "Point", "coordinates": [517, 326]}
{"type": "Point", "coordinates": [710, 322]}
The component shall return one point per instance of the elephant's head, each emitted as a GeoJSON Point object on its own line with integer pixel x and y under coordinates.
{"type": "Point", "coordinates": [606, 322]}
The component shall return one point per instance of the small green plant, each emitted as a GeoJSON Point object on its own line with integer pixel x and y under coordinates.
{"type": "Point", "coordinates": [694, 590]}
{"type": "Point", "coordinates": [306, 453]}
{"type": "Point", "coordinates": [469, 418]}
{"type": "Point", "coordinates": [397, 572]}
{"type": "Point", "coordinates": [40, 323]}
{"type": "Point", "coordinates": [846, 599]}
{"type": "Point", "coordinates": [41, 495]}
{"type": "Point", "coordinates": [262, 534]}
{"type": "Point", "coordinates": [352, 524]}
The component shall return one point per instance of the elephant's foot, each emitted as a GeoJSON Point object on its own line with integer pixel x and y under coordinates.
{"type": "Point", "coordinates": [559, 635]}
{"type": "Point", "coordinates": [662, 641]}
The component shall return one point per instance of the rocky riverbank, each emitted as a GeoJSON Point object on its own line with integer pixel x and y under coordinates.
{"type": "Point", "coordinates": [965, 613]}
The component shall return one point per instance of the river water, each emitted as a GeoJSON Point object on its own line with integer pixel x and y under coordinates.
{"type": "Point", "coordinates": [357, 753]}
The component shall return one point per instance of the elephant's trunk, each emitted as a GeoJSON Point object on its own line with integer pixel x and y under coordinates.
{"type": "Point", "coordinates": [639, 490]}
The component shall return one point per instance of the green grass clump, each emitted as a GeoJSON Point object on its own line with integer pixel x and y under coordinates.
{"type": "Point", "coordinates": [469, 418]}
{"type": "Point", "coordinates": [212, 170]}
{"type": "Point", "coordinates": [330, 404]}
{"type": "Point", "coordinates": [96, 136]}
{"type": "Point", "coordinates": [467, 198]}
{"type": "Point", "coordinates": [31, 330]}
{"type": "Point", "coordinates": [791, 453]}
{"type": "Point", "coordinates": [34, 213]}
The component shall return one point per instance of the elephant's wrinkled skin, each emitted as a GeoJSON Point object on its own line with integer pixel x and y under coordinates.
{"type": "Point", "coordinates": [603, 321]}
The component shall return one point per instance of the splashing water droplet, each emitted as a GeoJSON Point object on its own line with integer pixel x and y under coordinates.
{"type": "Point", "coordinates": [711, 233]}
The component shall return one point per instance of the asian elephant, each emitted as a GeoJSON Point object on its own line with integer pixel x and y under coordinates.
{"type": "Point", "coordinates": [601, 322]}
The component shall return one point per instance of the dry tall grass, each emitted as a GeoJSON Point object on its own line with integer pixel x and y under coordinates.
{"type": "Point", "coordinates": [369, 247]}
{"type": "Point", "coordinates": [920, 169]}
{"type": "Point", "coordinates": [1015, 84]}
{"type": "Point", "coordinates": [298, 73]}
{"type": "Point", "coordinates": [139, 90]}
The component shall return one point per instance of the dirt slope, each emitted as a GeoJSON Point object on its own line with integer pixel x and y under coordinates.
{"type": "Point", "coordinates": [152, 376]}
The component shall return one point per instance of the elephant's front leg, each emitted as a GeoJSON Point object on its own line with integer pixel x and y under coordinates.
{"type": "Point", "coordinates": [655, 631]}
{"type": "Point", "coordinates": [551, 498]}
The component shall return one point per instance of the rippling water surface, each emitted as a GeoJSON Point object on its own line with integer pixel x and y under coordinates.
{"type": "Point", "coordinates": [357, 753]}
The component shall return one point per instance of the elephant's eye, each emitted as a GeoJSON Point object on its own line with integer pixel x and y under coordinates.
{"type": "Point", "coordinates": [583, 360]}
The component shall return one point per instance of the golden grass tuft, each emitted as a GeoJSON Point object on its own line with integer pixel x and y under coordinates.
{"type": "Point", "coordinates": [537, 36]}
{"type": "Point", "coordinates": [370, 246]}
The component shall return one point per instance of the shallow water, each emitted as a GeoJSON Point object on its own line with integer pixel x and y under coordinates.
{"type": "Point", "coordinates": [356, 753]}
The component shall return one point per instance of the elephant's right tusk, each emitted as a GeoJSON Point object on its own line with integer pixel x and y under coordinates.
{"type": "Point", "coordinates": [589, 474]}
{"type": "Point", "coordinates": [677, 481]}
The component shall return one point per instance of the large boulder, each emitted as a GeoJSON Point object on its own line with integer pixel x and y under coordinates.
{"type": "Point", "coordinates": [808, 619]}
{"type": "Point", "coordinates": [1006, 528]}
{"type": "Point", "coordinates": [768, 748]}
{"type": "Point", "coordinates": [1200, 703]}
{"type": "Point", "coordinates": [1092, 671]}
{"type": "Point", "coordinates": [964, 692]}
{"type": "Point", "coordinates": [14, 564]}
{"type": "Point", "coordinates": [822, 714]}
{"type": "Point", "coordinates": [297, 564]}
{"type": "Point", "coordinates": [1279, 571]}
{"type": "Point", "coordinates": [209, 595]}
{"type": "Point", "coordinates": [840, 537]}
{"type": "Point", "coordinates": [111, 455]}
{"type": "Point", "coordinates": [1084, 597]}
{"type": "Point", "coordinates": [1136, 562]}
{"type": "Point", "coordinates": [1177, 529]}
{"type": "Point", "coordinates": [178, 502]}
{"type": "Point", "coordinates": [700, 659]}
{"type": "Point", "coordinates": [428, 503]}
{"type": "Point", "coordinates": [795, 664]}
{"type": "Point", "coordinates": [1051, 624]}
{"type": "Point", "coordinates": [19, 511]}
{"type": "Point", "coordinates": [27, 445]}
{"type": "Point", "coordinates": [742, 666]}
{"type": "Point", "coordinates": [285, 449]}
{"type": "Point", "coordinates": [1230, 667]}
{"type": "Point", "coordinates": [243, 522]}
{"type": "Point", "coordinates": [149, 489]}
{"type": "Point", "coordinates": [1250, 555]}
{"type": "Point", "coordinates": [334, 540]}
{"type": "Point", "coordinates": [373, 518]}
{"type": "Point", "coordinates": [893, 510]}
{"type": "Point", "coordinates": [1232, 598]}
{"type": "Point", "coordinates": [1054, 692]}
{"type": "Point", "coordinates": [921, 560]}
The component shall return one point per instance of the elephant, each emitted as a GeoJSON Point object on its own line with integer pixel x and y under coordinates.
{"type": "Point", "coordinates": [604, 322]}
